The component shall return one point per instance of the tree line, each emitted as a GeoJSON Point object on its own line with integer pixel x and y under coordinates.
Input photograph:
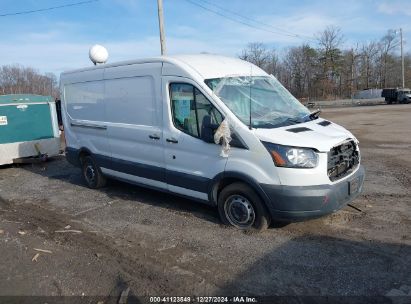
{"type": "Point", "coordinates": [326, 70]}
{"type": "Point", "coordinates": [17, 79]}
{"type": "Point", "coordinates": [319, 71]}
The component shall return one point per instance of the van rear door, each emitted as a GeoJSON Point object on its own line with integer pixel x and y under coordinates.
{"type": "Point", "coordinates": [134, 112]}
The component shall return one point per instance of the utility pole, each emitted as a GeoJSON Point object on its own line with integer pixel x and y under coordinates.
{"type": "Point", "coordinates": [352, 72]}
{"type": "Point", "coordinates": [161, 26]}
{"type": "Point", "coordinates": [402, 61]}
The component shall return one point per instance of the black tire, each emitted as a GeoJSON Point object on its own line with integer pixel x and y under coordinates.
{"type": "Point", "coordinates": [92, 174]}
{"type": "Point", "coordinates": [241, 207]}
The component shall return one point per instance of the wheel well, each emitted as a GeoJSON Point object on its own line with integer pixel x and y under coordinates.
{"type": "Point", "coordinates": [225, 181]}
{"type": "Point", "coordinates": [83, 153]}
{"type": "Point", "coordinates": [222, 184]}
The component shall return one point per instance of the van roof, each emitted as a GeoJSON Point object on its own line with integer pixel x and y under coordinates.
{"type": "Point", "coordinates": [206, 65]}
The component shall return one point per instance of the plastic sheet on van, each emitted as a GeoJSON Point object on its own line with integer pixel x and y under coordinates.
{"type": "Point", "coordinates": [223, 135]}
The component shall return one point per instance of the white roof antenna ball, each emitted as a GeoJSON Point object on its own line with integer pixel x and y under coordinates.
{"type": "Point", "coordinates": [98, 54]}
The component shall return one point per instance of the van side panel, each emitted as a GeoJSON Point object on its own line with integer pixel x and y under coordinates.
{"type": "Point", "coordinates": [134, 122]}
{"type": "Point", "coordinates": [85, 100]}
{"type": "Point", "coordinates": [84, 112]}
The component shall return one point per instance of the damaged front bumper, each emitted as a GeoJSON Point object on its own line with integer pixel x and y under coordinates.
{"type": "Point", "coordinates": [295, 203]}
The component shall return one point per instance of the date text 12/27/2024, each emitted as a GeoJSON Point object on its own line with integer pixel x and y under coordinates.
{"type": "Point", "coordinates": [236, 299]}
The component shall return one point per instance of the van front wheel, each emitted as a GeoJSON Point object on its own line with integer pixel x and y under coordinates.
{"type": "Point", "coordinates": [241, 207]}
{"type": "Point", "coordinates": [92, 173]}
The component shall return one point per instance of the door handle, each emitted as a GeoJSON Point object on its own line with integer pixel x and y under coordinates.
{"type": "Point", "coordinates": [172, 140]}
{"type": "Point", "coordinates": [154, 136]}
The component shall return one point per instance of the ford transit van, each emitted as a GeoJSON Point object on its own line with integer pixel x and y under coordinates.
{"type": "Point", "coordinates": [211, 128]}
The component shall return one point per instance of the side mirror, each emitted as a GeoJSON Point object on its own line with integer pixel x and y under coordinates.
{"type": "Point", "coordinates": [207, 129]}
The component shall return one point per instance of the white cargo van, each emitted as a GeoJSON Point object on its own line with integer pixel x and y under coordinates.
{"type": "Point", "coordinates": [152, 122]}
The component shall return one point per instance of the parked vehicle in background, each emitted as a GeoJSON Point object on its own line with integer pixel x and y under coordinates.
{"type": "Point", "coordinates": [154, 122]}
{"type": "Point", "coordinates": [404, 96]}
{"type": "Point", "coordinates": [396, 95]}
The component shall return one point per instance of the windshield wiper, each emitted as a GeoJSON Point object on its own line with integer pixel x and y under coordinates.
{"type": "Point", "coordinates": [266, 125]}
{"type": "Point", "coordinates": [287, 122]}
{"type": "Point", "coordinates": [293, 120]}
{"type": "Point", "coordinates": [313, 115]}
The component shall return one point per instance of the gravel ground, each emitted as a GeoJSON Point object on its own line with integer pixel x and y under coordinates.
{"type": "Point", "coordinates": [158, 244]}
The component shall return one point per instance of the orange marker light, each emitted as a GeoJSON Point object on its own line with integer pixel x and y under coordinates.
{"type": "Point", "coordinates": [278, 160]}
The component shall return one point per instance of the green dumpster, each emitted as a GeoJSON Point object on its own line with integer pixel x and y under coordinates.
{"type": "Point", "coordinates": [28, 127]}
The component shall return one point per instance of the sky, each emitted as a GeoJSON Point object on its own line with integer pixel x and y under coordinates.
{"type": "Point", "coordinates": [59, 39]}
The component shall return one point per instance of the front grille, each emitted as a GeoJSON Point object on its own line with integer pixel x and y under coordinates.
{"type": "Point", "coordinates": [342, 160]}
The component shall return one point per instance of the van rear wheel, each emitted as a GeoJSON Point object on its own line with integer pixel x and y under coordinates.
{"type": "Point", "coordinates": [241, 207]}
{"type": "Point", "coordinates": [92, 173]}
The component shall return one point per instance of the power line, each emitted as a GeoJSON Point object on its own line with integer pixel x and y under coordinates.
{"type": "Point", "coordinates": [48, 8]}
{"type": "Point", "coordinates": [243, 22]}
{"type": "Point", "coordinates": [257, 21]}
{"type": "Point", "coordinates": [233, 19]}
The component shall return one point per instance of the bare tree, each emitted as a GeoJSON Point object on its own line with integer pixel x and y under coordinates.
{"type": "Point", "coordinates": [386, 46]}
{"type": "Point", "coordinates": [273, 63]}
{"type": "Point", "coordinates": [16, 79]}
{"type": "Point", "coordinates": [368, 58]}
{"type": "Point", "coordinates": [326, 70]}
{"type": "Point", "coordinates": [350, 71]}
{"type": "Point", "coordinates": [256, 53]}
{"type": "Point", "coordinates": [301, 63]}
{"type": "Point", "coordinates": [329, 42]}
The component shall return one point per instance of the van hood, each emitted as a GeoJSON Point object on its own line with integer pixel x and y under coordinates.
{"type": "Point", "coordinates": [319, 134]}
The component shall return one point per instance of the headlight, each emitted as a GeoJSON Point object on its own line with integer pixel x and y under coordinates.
{"type": "Point", "coordinates": [292, 157]}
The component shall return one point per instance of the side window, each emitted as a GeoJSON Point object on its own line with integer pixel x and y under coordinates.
{"type": "Point", "coordinates": [189, 106]}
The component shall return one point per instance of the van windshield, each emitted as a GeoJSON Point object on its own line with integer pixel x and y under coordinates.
{"type": "Point", "coordinates": [270, 103]}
